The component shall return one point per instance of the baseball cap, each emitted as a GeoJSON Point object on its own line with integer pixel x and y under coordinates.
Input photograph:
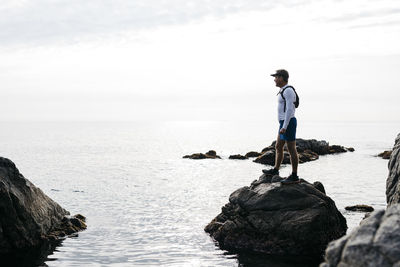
{"type": "Point", "coordinates": [282, 73]}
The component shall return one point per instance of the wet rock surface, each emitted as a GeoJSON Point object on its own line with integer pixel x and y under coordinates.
{"type": "Point", "coordinates": [29, 217]}
{"type": "Point", "coordinates": [392, 182]}
{"type": "Point", "coordinates": [274, 219]}
{"type": "Point", "coordinates": [376, 242]}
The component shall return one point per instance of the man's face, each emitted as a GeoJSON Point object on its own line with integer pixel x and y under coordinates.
{"type": "Point", "coordinates": [279, 82]}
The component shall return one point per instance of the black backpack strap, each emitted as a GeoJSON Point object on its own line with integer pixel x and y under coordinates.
{"type": "Point", "coordinates": [284, 99]}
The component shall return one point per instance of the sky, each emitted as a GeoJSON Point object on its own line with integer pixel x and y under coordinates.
{"type": "Point", "coordinates": [198, 59]}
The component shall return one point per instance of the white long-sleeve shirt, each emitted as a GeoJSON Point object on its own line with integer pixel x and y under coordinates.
{"type": "Point", "coordinates": [290, 97]}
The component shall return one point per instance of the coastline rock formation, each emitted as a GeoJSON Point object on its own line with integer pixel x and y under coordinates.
{"type": "Point", "coordinates": [281, 220]}
{"type": "Point", "coordinates": [392, 182]}
{"type": "Point", "coordinates": [209, 155]}
{"type": "Point", "coordinates": [376, 242]}
{"type": "Point", "coordinates": [308, 150]}
{"type": "Point", "coordinates": [29, 217]}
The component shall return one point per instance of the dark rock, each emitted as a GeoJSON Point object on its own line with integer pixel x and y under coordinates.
{"type": "Point", "coordinates": [385, 154]}
{"type": "Point", "coordinates": [376, 242]}
{"type": "Point", "coordinates": [392, 182]}
{"type": "Point", "coordinates": [336, 149]}
{"type": "Point", "coordinates": [319, 147]}
{"type": "Point", "coordinates": [364, 208]}
{"type": "Point", "coordinates": [268, 148]}
{"type": "Point", "coordinates": [319, 186]}
{"type": "Point", "coordinates": [237, 157]}
{"type": "Point", "coordinates": [209, 155]}
{"type": "Point", "coordinates": [28, 216]}
{"type": "Point", "coordinates": [276, 219]}
{"type": "Point", "coordinates": [351, 149]}
{"type": "Point", "coordinates": [267, 158]}
{"type": "Point", "coordinates": [307, 155]}
{"type": "Point", "coordinates": [253, 154]}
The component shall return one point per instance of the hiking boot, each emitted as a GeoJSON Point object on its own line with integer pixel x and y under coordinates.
{"type": "Point", "coordinates": [271, 171]}
{"type": "Point", "coordinates": [291, 179]}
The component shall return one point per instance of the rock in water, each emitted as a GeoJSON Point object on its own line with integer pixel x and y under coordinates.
{"type": "Point", "coordinates": [27, 216]}
{"type": "Point", "coordinates": [362, 207]}
{"type": "Point", "coordinates": [392, 182]}
{"type": "Point", "coordinates": [275, 219]}
{"type": "Point", "coordinates": [376, 242]}
{"type": "Point", "coordinates": [385, 154]}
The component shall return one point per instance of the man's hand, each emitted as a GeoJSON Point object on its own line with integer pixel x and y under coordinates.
{"type": "Point", "coordinates": [282, 131]}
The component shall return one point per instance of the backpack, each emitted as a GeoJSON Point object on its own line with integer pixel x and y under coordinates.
{"type": "Point", "coordinates": [296, 103]}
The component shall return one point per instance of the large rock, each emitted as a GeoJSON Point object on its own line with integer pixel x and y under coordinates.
{"type": "Point", "coordinates": [392, 182]}
{"type": "Point", "coordinates": [275, 219]}
{"type": "Point", "coordinates": [27, 216]}
{"type": "Point", "coordinates": [376, 242]}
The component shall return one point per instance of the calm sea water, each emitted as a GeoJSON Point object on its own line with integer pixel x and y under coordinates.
{"type": "Point", "coordinates": [146, 206]}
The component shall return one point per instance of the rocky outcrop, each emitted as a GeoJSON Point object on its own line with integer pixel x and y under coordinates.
{"type": "Point", "coordinates": [308, 150]}
{"type": "Point", "coordinates": [29, 217]}
{"type": "Point", "coordinates": [209, 155]}
{"type": "Point", "coordinates": [275, 219]}
{"type": "Point", "coordinates": [385, 154]}
{"type": "Point", "coordinates": [363, 208]}
{"type": "Point", "coordinates": [392, 182]}
{"type": "Point", "coordinates": [376, 242]}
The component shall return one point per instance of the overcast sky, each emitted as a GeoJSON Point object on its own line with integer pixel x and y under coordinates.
{"type": "Point", "coordinates": [197, 59]}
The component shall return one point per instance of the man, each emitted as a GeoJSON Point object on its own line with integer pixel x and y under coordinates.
{"type": "Point", "coordinates": [287, 127]}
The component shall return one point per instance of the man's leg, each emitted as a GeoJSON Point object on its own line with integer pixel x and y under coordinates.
{"type": "Point", "coordinates": [278, 152]}
{"type": "Point", "coordinates": [278, 157]}
{"type": "Point", "coordinates": [294, 158]}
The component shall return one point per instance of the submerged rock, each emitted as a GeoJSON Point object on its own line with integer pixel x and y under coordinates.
{"type": "Point", "coordinates": [275, 219]}
{"type": "Point", "coordinates": [392, 182]}
{"type": "Point", "coordinates": [376, 242]}
{"type": "Point", "coordinates": [364, 208]}
{"type": "Point", "coordinates": [28, 216]}
{"type": "Point", "coordinates": [209, 155]}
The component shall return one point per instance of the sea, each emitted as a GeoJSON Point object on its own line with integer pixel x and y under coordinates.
{"type": "Point", "coordinates": [147, 206]}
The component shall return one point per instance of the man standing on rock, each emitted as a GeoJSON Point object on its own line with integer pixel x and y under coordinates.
{"type": "Point", "coordinates": [287, 99]}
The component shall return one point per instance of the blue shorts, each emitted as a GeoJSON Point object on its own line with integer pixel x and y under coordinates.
{"type": "Point", "coordinates": [290, 134]}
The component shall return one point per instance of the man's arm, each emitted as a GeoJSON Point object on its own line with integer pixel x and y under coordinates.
{"type": "Point", "coordinates": [290, 98]}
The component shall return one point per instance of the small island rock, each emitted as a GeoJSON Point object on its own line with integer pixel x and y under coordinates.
{"type": "Point", "coordinates": [209, 155]}
{"type": "Point", "coordinates": [308, 150]}
{"type": "Point", "coordinates": [275, 219]}
{"type": "Point", "coordinates": [363, 208]}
